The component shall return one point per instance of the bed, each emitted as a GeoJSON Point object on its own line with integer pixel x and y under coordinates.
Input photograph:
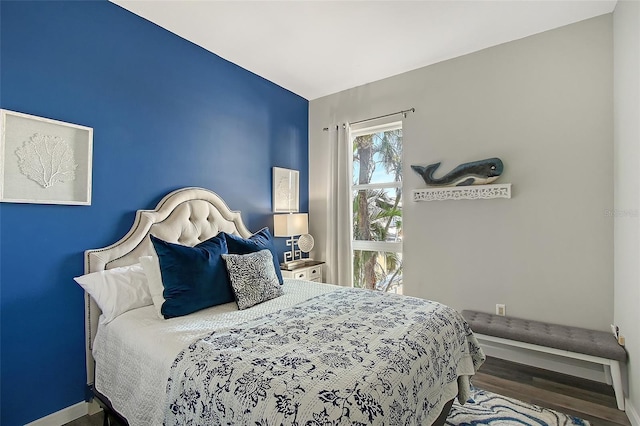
{"type": "Point", "coordinates": [314, 354]}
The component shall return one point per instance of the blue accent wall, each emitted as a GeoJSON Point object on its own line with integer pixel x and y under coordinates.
{"type": "Point", "coordinates": [166, 114]}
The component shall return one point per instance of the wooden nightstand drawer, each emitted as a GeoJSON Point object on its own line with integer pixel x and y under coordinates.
{"type": "Point", "coordinates": [301, 275]}
{"type": "Point", "coordinates": [314, 273]}
{"type": "Point", "coordinates": [307, 273]}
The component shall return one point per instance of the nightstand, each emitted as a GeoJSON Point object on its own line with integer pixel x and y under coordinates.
{"type": "Point", "coordinates": [310, 271]}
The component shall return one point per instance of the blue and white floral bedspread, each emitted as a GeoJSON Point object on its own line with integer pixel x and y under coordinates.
{"type": "Point", "coordinates": [349, 357]}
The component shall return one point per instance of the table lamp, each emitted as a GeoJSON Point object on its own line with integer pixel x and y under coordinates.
{"type": "Point", "coordinates": [291, 225]}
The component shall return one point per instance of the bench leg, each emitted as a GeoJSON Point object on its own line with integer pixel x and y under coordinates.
{"type": "Point", "coordinates": [616, 377]}
{"type": "Point", "coordinates": [607, 374]}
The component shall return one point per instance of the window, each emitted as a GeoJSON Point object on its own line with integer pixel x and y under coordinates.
{"type": "Point", "coordinates": [377, 207]}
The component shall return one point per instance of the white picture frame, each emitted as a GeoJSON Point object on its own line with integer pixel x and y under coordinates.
{"type": "Point", "coordinates": [285, 190]}
{"type": "Point", "coordinates": [44, 161]}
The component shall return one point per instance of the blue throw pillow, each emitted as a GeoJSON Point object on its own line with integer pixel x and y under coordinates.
{"type": "Point", "coordinates": [259, 241]}
{"type": "Point", "coordinates": [194, 278]}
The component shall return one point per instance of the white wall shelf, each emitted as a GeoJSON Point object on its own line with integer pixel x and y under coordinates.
{"type": "Point", "coordinates": [471, 192]}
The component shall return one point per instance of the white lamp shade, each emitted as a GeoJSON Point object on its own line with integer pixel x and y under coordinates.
{"type": "Point", "coordinates": [288, 225]}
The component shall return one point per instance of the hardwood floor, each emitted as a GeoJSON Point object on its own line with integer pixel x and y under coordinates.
{"type": "Point", "coordinates": [589, 400]}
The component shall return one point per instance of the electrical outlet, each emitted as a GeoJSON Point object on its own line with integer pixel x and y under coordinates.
{"type": "Point", "coordinates": [501, 309]}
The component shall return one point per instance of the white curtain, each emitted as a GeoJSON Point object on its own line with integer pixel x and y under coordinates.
{"type": "Point", "coordinates": [339, 262]}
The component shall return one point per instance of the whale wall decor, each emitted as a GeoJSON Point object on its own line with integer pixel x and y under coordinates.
{"type": "Point", "coordinates": [474, 173]}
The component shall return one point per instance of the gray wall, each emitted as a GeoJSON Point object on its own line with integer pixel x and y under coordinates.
{"type": "Point", "coordinates": [544, 105]}
{"type": "Point", "coordinates": [627, 188]}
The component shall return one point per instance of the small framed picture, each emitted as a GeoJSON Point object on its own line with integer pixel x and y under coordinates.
{"type": "Point", "coordinates": [285, 190]}
{"type": "Point", "coordinates": [44, 161]}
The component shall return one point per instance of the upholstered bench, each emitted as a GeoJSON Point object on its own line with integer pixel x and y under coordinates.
{"type": "Point", "coordinates": [599, 347]}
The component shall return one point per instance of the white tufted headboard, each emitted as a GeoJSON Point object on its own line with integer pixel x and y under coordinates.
{"type": "Point", "coordinates": [186, 216]}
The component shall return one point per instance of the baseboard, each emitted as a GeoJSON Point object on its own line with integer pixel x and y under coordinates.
{"type": "Point", "coordinates": [94, 407]}
{"type": "Point", "coordinates": [632, 413]}
{"type": "Point", "coordinates": [63, 416]}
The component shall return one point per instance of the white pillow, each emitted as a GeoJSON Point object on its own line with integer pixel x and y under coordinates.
{"type": "Point", "coordinates": [117, 290]}
{"type": "Point", "coordinates": [151, 266]}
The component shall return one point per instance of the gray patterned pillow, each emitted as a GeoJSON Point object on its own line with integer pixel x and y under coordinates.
{"type": "Point", "coordinates": [253, 277]}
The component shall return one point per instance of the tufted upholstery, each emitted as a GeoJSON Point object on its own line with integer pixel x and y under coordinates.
{"type": "Point", "coordinates": [192, 223]}
{"type": "Point", "coordinates": [574, 339]}
{"type": "Point", "coordinates": [186, 216]}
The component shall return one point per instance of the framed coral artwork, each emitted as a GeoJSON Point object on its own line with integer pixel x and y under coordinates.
{"type": "Point", "coordinates": [44, 161]}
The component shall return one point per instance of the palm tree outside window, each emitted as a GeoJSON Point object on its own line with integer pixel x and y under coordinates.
{"type": "Point", "coordinates": [377, 207]}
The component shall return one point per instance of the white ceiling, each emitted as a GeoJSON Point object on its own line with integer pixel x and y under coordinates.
{"type": "Point", "coordinates": [316, 48]}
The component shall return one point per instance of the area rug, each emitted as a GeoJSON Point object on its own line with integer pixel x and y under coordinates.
{"type": "Point", "coordinates": [487, 408]}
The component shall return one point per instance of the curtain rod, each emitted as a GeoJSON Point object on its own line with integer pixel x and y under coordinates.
{"type": "Point", "coordinates": [403, 112]}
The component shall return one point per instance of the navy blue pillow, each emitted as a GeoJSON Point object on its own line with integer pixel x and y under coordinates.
{"type": "Point", "coordinates": [259, 241]}
{"type": "Point", "coordinates": [194, 278]}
